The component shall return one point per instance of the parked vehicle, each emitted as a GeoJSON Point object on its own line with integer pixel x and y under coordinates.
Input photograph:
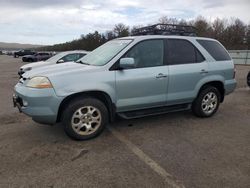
{"type": "Point", "coordinates": [5, 52]}
{"type": "Point", "coordinates": [130, 77]}
{"type": "Point", "coordinates": [56, 59]}
{"type": "Point", "coordinates": [10, 53]}
{"type": "Point", "coordinates": [248, 79]}
{"type": "Point", "coordinates": [23, 53]}
{"type": "Point", "coordinates": [40, 56]}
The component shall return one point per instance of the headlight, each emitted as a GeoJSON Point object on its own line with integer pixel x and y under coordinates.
{"type": "Point", "coordinates": [39, 82]}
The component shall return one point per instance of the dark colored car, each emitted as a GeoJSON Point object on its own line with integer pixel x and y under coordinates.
{"type": "Point", "coordinates": [248, 79]}
{"type": "Point", "coordinates": [23, 53]}
{"type": "Point", "coordinates": [40, 56]}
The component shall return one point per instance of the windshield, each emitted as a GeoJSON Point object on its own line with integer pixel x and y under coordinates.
{"type": "Point", "coordinates": [103, 54]}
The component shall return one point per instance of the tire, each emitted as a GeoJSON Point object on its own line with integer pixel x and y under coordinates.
{"type": "Point", "coordinates": [84, 118]}
{"type": "Point", "coordinates": [207, 102]}
{"type": "Point", "coordinates": [248, 79]}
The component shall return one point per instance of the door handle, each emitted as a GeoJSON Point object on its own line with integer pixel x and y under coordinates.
{"type": "Point", "coordinates": [203, 71]}
{"type": "Point", "coordinates": [160, 75]}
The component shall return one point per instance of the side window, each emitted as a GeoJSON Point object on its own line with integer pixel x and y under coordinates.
{"type": "Point", "coordinates": [70, 57]}
{"type": "Point", "coordinates": [181, 51]}
{"type": "Point", "coordinates": [215, 49]}
{"type": "Point", "coordinates": [80, 56]}
{"type": "Point", "coordinates": [147, 53]}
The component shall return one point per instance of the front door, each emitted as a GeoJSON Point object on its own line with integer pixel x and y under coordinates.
{"type": "Point", "coordinates": [144, 86]}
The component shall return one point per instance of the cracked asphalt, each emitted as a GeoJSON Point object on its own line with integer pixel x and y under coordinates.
{"type": "Point", "coordinates": [213, 152]}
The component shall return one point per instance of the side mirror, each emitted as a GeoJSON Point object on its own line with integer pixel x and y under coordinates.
{"type": "Point", "coordinates": [127, 63]}
{"type": "Point", "coordinates": [60, 61]}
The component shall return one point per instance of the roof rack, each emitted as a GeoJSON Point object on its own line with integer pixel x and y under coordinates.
{"type": "Point", "coordinates": [165, 29]}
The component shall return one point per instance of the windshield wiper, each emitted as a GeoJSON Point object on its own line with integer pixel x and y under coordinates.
{"type": "Point", "coordinates": [84, 63]}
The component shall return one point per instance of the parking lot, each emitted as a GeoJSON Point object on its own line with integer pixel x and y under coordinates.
{"type": "Point", "coordinates": [171, 150]}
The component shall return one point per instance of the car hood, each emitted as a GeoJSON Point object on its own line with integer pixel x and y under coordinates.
{"type": "Point", "coordinates": [59, 69]}
{"type": "Point", "coordinates": [36, 65]}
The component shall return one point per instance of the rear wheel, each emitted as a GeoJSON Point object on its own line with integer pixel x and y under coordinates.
{"type": "Point", "coordinates": [84, 118]}
{"type": "Point", "coordinates": [207, 102]}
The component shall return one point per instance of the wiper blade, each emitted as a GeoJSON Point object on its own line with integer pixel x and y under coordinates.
{"type": "Point", "coordinates": [84, 63]}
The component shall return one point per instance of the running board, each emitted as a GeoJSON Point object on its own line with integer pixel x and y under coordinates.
{"type": "Point", "coordinates": [154, 111]}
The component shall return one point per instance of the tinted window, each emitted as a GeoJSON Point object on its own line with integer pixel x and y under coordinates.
{"type": "Point", "coordinates": [215, 49]}
{"type": "Point", "coordinates": [182, 52]}
{"type": "Point", "coordinates": [148, 53]}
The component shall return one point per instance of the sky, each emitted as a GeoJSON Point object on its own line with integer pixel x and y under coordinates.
{"type": "Point", "coordinates": [56, 21]}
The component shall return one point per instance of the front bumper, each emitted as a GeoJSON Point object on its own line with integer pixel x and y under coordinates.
{"type": "Point", "coordinates": [40, 104]}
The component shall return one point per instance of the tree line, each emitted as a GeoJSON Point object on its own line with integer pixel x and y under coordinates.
{"type": "Point", "coordinates": [232, 33]}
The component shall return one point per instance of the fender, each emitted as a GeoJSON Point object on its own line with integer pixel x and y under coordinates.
{"type": "Point", "coordinates": [207, 79]}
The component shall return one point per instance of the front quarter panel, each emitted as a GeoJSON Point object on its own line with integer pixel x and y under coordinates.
{"type": "Point", "coordinates": [78, 82]}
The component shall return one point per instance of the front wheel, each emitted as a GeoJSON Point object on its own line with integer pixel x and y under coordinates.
{"type": "Point", "coordinates": [207, 102]}
{"type": "Point", "coordinates": [84, 119]}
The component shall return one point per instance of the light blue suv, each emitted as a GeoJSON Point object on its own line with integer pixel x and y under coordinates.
{"type": "Point", "coordinates": [130, 77]}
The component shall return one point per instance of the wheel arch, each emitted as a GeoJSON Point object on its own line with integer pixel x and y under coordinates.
{"type": "Point", "coordinates": [100, 95]}
{"type": "Point", "coordinates": [217, 84]}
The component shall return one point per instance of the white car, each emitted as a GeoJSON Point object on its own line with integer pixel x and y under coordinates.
{"type": "Point", "coordinates": [62, 57]}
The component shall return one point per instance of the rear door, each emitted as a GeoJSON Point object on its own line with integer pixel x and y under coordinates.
{"type": "Point", "coordinates": [187, 67]}
{"type": "Point", "coordinates": [144, 86]}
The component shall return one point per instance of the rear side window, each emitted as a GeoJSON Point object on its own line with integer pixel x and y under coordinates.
{"type": "Point", "coordinates": [181, 51]}
{"type": "Point", "coordinates": [215, 49]}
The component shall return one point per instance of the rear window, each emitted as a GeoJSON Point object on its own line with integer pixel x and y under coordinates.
{"type": "Point", "coordinates": [215, 49]}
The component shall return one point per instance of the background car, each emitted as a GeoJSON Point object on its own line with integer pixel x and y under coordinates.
{"type": "Point", "coordinates": [23, 53]}
{"type": "Point", "coordinates": [40, 56]}
{"type": "Point", "coordinates": [58, 58]}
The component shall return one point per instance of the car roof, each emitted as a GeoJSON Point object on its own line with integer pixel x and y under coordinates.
{"type": "Point", "coordinates": [76, 51]}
